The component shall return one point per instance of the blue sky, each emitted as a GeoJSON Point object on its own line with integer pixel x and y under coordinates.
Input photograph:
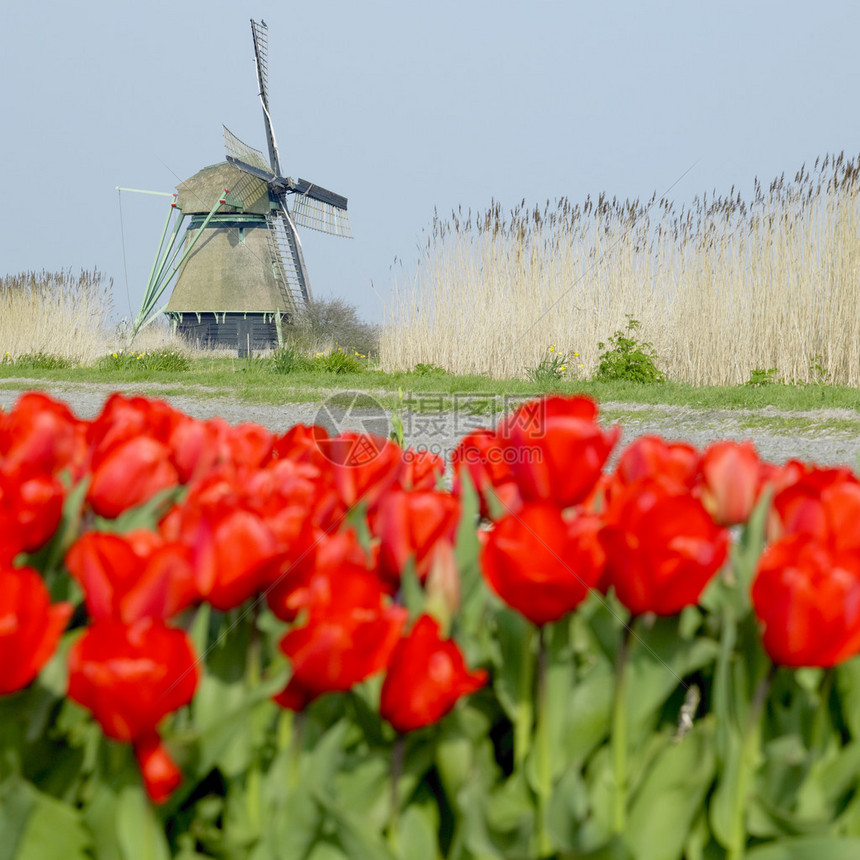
{"type": "Point", "coordinates": [403, 108]}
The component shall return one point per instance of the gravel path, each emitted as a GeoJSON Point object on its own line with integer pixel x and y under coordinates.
{"type": "Point", "coordinates": [827, 437]}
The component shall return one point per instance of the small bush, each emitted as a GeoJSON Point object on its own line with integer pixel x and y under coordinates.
{"type": "Point", "coordinates": [552, 367]}
{"type": "Point", "coordinates": [626, 358]}
{"type": "Point", "coordinates": [38, 361]}
{"type": "Point", "coordinates": [759, 376]}
{"type": "Point", "coordinates": [288, 359]}
{"type": "Point", "coordinates": [338, 361]}
{"type": "Point", "coordinates": [165, 360]}
{"type": "Point", "coordinates": [325, 323]}
{"type": "Point", "coordinates": [429, 369]}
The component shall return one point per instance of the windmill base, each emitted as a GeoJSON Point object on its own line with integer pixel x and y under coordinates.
{"type": "Point", "coordinates": [245, 332]}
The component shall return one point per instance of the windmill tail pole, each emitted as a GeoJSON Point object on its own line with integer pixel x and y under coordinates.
{"type": "Point", "coordinates": [144, 191]}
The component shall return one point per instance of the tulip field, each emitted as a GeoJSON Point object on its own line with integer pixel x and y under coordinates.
{"type": "Point", "coordinates": [221, 642]}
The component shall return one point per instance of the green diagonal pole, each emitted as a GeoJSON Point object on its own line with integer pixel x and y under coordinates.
{"type": "Point", "coordinates": [161, 286]}
{"type": "Point", "coordinates": [169, 256]}
{"type": "Point", "coordinates": [160, 247]}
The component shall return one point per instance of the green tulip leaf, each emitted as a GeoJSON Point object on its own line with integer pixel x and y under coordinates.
{"type": "Point", "coordinates": [589, 714]}
{"type": "Point", "coordinates": [848, 685]}
{"type": "Point", "coordinates": [659, 660]}
{"type": "Point", "coordinates": [833, 848]}
{"type": "Point", "coordinates": [670, 795]}
{"type": "Point", "coordinates": [356, 837]}
{"type": "Point", "coordinates": [417, 834]}
{"type": "Point", "coordinates": [39, 827]}
{"type": "Point", "coordinates": [467, 550]}
{"type": "Point", "coordinates": [140, 834]}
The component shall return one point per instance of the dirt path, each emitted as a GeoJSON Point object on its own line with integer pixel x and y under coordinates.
{"type": "Point", "coordinates": [827, 437]}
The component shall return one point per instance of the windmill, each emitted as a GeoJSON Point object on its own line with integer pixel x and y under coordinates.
{"type": "Point", "coordinates": [240, 271]}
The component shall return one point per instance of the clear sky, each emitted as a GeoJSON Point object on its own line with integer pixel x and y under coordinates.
{"type": "Point", "coordinates": [402, 107]}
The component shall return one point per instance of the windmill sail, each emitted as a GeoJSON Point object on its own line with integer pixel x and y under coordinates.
{"type": "Point", "coordinates": [261, 61]}
{"type": "Point", "coordinates": [242, 152]}
{"type": "Point", "coordinates": [320, 212]}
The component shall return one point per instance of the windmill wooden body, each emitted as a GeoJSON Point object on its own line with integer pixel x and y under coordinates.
{"type": "Point", "coordinates": [240, 273]}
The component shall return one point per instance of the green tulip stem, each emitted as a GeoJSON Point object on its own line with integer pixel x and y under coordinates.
{"type": "Point", "coordinates": [397, 755]}
{"type": "Point", "coordinates": [752, 731]}
{"type": "Point", "coordinates": [252, 677]}
{"type": "Point", "coordinates": [822, 712]}
{"type": "Point", "coordinates": [619, 731]}
{"type": "Point", "coordinates": [524, 721]}
{"type": "Point", "coordinates": [298, 728]}
{"type": "Point", "coordinates": [543, 741]}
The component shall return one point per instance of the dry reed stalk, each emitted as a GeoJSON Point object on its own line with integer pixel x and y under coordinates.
{"type": "Point", "coordinates": [721, 288]}
{"type": "Point", "coordinates": [55, 313]}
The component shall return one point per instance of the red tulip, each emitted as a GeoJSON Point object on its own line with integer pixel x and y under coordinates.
{"type": "Point", "coordinates": [487, 462]}
{"type": "Point", "coordinates": [364, 466]}
{"type": "Point", "coordinates": [559, 449]}
{"type": "Point", "coordinates": [230, 544]}
{"type": "Point", "coordinates": [651, 457]}
{"type": "Point", "coordinates": [426, 677]}
{"type": "Point", "coordinates": [731, 479]}
{"type": "Point", "coordinates": [302, 443]}
{"type": "Point", "coordinates": [349, 635]}
{"type": "Point", "coordinates": [132, 576]}
{"type": "Point", "coordinates": [124, 418]}
{"type": "Point", "coordinates": [662, 547]}
{"type": "Point", "coordinates": [542, 564]}
{"type": "Point", "coordinates": [129, 474]}
{"type": "Point", "coordinates": [30, 626]}
{"type": "Point", "coordinates": [199, 447]}
{"type": "Point", "coordinates": [41, 436]}
{"type": "Point", "coordinates": [807, 596]}
{"type": "Point", "coordinates": [409, 525]}
{"type": "Point", "coordinates": [820, 502]}
{"type": "Point", "coordinates": [161, 776]}
{"type": "Point", "coordinates": [318, 556]}
{"type": "Point", "coordinates": [30, 512]}
{"type": "Point", "coordinates": [423, 468]}
{"type": "Point", "coordinates": [131, 677]}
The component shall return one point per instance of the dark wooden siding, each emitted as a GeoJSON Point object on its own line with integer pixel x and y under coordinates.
{"type": "Point", "coordinates": [242, 332]}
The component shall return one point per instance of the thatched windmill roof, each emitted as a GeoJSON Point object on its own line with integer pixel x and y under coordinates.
{"type": "Point", "coordinates": [229, 269]}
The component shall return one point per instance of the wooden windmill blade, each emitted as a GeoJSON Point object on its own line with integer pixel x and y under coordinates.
{"type": "Point", "coordinates": [260, 33]}
{"type": "Point", "coordinates": [238, 150]}
{"type": "Point", "coordinates": [320, 209]}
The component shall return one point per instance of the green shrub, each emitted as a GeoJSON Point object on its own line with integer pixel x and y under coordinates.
{"type": "Point", "coordinates": [38, 361]}
{"type": "Point", "coordinates": [338, 361]}
{"type": "Point", "coordinates": [626, 358]}
{"type": "Point", "coordinates": [323, 322]}
{"type": "Point", "coordinates": [288, 359]}
{"type": "Point", "coordinates": [428, 369]}
{"type": "Point", "coordinates": [552, 367]}
{"type": "Point", "coordinates": [759, 376]}
{"type": "Point", "coordinates": [166, 360]}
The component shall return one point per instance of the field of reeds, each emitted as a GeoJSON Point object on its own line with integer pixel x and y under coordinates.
{"type": "Point", "coordinates": [726, 289]}
{"type": "Point", "coordinates": [56, 314]}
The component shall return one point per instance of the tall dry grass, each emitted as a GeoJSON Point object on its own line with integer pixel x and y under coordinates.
{"type": "Point", "coordinates": [721, 288]}
{"type": "Point", "coordinates": [56, 313]}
